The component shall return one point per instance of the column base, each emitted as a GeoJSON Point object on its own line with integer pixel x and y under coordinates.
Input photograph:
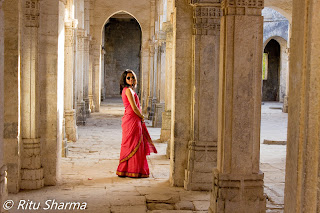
{"type": "Point", "coordinates": [166, 126]}
{"type": "Point", "coordinates": [285, 104]}
{"type": "Point", "coordinates": [81, 114]}
{"type": "Point", "coordinates": [91, 104]}
{"type": "Point", "coordinates": [202, 159]}
{"type": "Point", "coordinates": [13, 163]}
{"type": "Point", "coordinates": [3, 185]}
{"type": "Point", "coordinates": [32, 179]}
{"type": "Point", "coordinates": [159, 109]}
{"type": "Point", "coordinates": [168, 149]}
{"type": "Point", "coordinates": [71, 126]}
{"type": "Point", "coordinates": [31, 169]}
{"type": "Point", "coordinates": [65, 146]}
{"type": "Point", "coordinates": [151, 108]}
{"type": "Point", "coordinates": [237, 193]}
{"type": "Point", "coordinates": [87, 107]}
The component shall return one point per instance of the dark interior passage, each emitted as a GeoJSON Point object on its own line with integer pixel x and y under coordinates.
{"type": "Point", "coordinates": [270, 88]}
{"type": "Point", "coordinates": [122, 46]}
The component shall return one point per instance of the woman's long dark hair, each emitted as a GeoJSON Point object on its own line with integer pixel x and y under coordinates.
{"type": "Point", "coordinates": [123, 82]}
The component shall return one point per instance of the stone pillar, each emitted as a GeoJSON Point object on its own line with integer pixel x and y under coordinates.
{"type": "Point", "coordinates": [81, 110]}
{"type": "Point", "coordinates": [86, 75]}
{"type": "Point", "coordinates": [204, 116]}
{"type": "Point", "coordinates": [238, 181]}
{"type": "Point", "coordinates": [166, 115]}
{"type": "Point", "coordinates": [150, 106]}
{"type": "Point", "coordinates": [181, 91]}
{"type": "Point", "coordinates": [302, 164]}
{"type": "Point", "coordinates": [87, 39]}
{"type": "Point", "coordinates": [3, 167]}
{"type": "Point", "coordinates": [102, 67]}
{"type": "Point", "coordinates": [69, 111]}
{"type": "Point", "coordinates": [91, 68]}
{"type": "Point", "coordinates": [160, 90]}
{"type": "Point", "coordinates": [31, 168]}
{"type": "Point", "coordinates": [96, 76]}
{"type": "Point", "coordinates": [12, 122]}
{"type": "Point", "coordinates": [285, 99]}
{"type": "Point", "coordinates": [51, 72]}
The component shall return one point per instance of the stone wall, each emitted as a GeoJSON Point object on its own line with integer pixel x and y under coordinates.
{"type": "Point", "coordinates": [274, 24]}
{"type": "Point", "coordinates": [122, 46]}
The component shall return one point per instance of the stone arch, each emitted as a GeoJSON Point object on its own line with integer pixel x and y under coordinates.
{"type": "Point", "coordinates": [283, 65]}
{"type": "Point", "coordinates": [126, 50]}
{"type": "Point", "coordinates": [103, 10]}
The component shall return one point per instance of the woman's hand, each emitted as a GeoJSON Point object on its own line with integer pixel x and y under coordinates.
{"type": "Point", "coordinates": [142, 119]}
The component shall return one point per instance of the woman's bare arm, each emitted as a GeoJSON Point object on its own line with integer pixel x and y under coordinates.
{"type": "Point", "coordinates": [133, 103]}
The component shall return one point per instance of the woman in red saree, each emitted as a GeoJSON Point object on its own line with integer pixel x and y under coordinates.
{"type": "Point", "coordinates": [136, 142]}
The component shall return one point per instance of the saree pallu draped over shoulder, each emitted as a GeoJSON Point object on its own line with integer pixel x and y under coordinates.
{"type": "Point", "coordinates": [136, 142]}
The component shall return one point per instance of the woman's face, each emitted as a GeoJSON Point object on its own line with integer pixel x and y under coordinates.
{"type": "Point", "coordinates": [130, 79]}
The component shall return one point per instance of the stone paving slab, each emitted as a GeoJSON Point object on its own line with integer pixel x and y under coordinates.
{"type": "Point", "coordinates": [88, 173]}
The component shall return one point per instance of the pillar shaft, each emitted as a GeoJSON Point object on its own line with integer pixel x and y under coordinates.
{"type": "Point", "coordinates": [69, 111]}
{"type": "Point", "coordinates": [238, 182]}
{"type": "Point", "coordinates": [51, 72]}
{"type": "Point", "coordinates": [31, 169]}
{"type": "Point", "coordinates": [181, 106]}
{"type": "Point", "coordinates": [96, 76]}
{"type": "Point", "coordinates": [3, 167]}
{"type": "Point", "coordinates": [166, 115]}
{"type": "Point", "coordinates": [160, 98]}
{"type": "Point", "coordinates": [204, 123]}
{"type": "Point", "coordinates": [81, 110]}
{"type": "Point", "coordinates": [302, 164]}
{"type": "Point", "coordinates": [12, 122]}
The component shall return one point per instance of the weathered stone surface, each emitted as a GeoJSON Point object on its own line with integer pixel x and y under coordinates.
{"type": "Point", "coordinates": [185, 205]}
{"type": "Point", "coordinates": [301, 193]}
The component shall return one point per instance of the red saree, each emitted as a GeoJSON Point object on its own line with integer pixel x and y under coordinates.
{"type": "Point", "coordinates": [136, 142]}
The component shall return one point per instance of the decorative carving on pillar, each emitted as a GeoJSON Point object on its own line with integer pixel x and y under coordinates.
{"type": "Point", "coordinates": [32, 13]}
{"type": "Point", "coordinates": [69, 36]}
{"type": "Point", "coordinates": [195, 2]}
{"type": "Point", "coordinates": [207, 20]}
{"type": "Point", "coordinates": [242, 7]}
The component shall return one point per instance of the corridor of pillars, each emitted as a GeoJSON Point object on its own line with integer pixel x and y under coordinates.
{"type": "Point", "coordinates": [88, 173]}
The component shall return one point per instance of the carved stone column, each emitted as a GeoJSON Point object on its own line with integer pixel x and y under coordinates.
{"type": "Point", "coordinates": [31, 168]}
{"type": "Point", "coordinates": [238, 181]}
{"type": "Point", "coordinates": [302, 163]}
{"type": "Point", "coordinates": [86, 75]}
{"type": "Point", "coordinates": [151, 99]}
{"type": "Point", "coordinates": [81, 110]}
{"type": "Point", "coordinates": [69, 111]}
{"type": "Point", "coordinates": [3, 167]}
{"type": "Point", "coordinates": [181, 91]}
{"type": "Point", "coordinates": [91, 68]}
{"type": "Point", "coordinates": [166, 115]}
{"type": "Point", "coordinates": [96, 75]}
{"type": "Point", "coordinates": [160, 90]}
{"type": "Point", "coordinates": [204, 120]}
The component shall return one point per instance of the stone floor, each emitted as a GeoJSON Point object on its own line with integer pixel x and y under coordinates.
{"type": "Point", "coordinates": [88, 173]}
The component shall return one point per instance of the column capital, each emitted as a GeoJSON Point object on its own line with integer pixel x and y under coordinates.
{"type": "Point", "coordinates": [242, 7]}
{"type": "Point", "coordinates": [206, 20]}
{"type": "Point", "coordinates": [31, 13]}
{"type": "Point", "coordinates": [205, 2]}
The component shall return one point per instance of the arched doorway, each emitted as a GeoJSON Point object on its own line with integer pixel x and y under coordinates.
{"type": "Point", "coordinates": [271, 81]}
{"type": "Point", "coordinates": [122, 48]}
